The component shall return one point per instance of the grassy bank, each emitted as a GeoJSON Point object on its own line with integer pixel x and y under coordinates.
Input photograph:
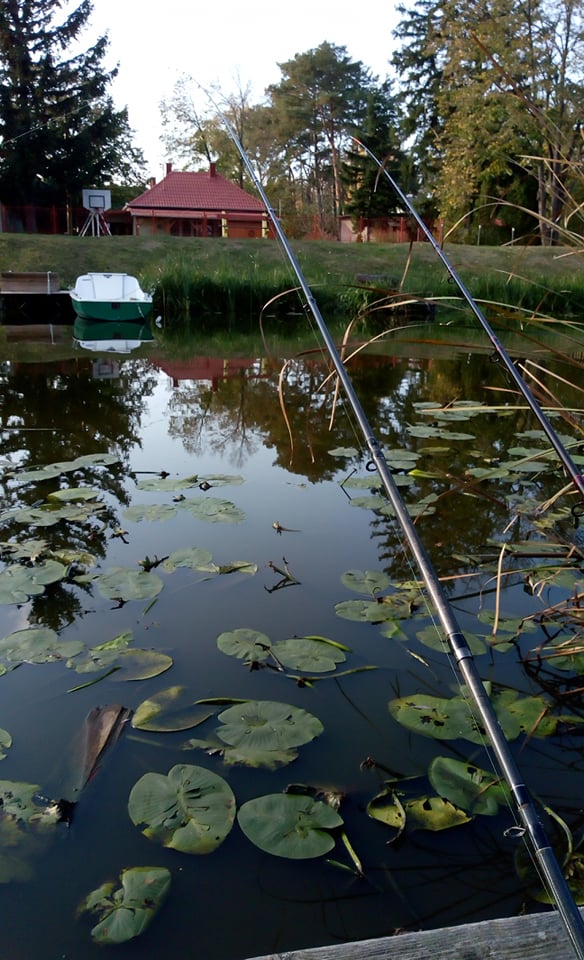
{"type": "Point", "coordinates": [234, 277]}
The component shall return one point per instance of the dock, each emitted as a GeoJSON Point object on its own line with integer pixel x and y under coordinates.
{"type": "Point", "coordinates": [34, 297]}
{"type": "Point", "coordinates": [538, 936]}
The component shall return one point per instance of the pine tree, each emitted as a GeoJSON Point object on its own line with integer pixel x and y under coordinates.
{"type": "Point", "coordinates": [59, 129]}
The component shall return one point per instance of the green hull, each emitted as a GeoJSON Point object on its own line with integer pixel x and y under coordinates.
{"type": "Point", "coordinates": [112, 311]}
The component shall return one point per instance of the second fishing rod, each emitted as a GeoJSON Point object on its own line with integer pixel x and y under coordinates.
{"type": "Point", "coordinates": [532, 827]}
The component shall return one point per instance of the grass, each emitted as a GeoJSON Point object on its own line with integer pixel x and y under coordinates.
{"type": "Point", "coordinates": [234, 278]}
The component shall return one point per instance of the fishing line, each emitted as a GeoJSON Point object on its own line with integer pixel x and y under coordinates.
{"type": "Point", "coordinates": [460, 651]}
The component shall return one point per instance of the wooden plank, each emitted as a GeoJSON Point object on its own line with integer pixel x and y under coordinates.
{"type": "Point", "coordinates": [540, 936]}
{"type": "Point", "coordinates": [14, 282]}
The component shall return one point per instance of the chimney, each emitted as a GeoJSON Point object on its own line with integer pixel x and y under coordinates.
{"type": "Point", "coordinates": [152, 182]}
{"type": "Point", "coordinates": [212, 170]}
{"type": "Point", "coordinates": [168, 168]}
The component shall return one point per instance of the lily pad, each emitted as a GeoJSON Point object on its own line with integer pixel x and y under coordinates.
{"type": "Point", "coordinates": [366, 581]}
{"type": "Point", "coordinates": [5, 743]}
{"type": "Point", "coordinates": [244, 754]}
{"type": "Point", "coordinates": [191, 809]}
{"type": "Point", "coordinates": [71, 494]}
{"type": "Point", "coordinates": [431, 637]}
{"type": "Point", "coordinates": [467, 786]}
{"type": "Point", "coordinates": [195, 558]}
{"type": "Point", "coordinates": [288, 825]}
{"type": "Point", "coordinates": [37, 645]}
{"type": "Point", "coordinates": [267, 725]}
{"type": "Point", "coordinates": [168, 710]}
{"type": "Point", "coordinates": [245, 644]}
{"type": "Point", "coordinates": [152, 512]}
{"type": "Point", "coordinates": [213, 510]}
{"type": "Point", "coordinates": [122, 583]}
{"type": "Point", "coordinates": [343, 452]}
{"type": "Point", "coordinates": [25, 550]}
{"type": "Point", "coordinates": [126, 912]}
{"type": "Point", "coordinates": [309, 654]}
{"type": "Point", "coordinates": [18, 583]}
{"type": "Point", "coordinates": [433, 813]}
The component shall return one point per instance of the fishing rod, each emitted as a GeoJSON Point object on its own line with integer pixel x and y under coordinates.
{"type": "Point", "coordinates": [569, 465]}
{"type": "Point", "coordinates": [532, 826]}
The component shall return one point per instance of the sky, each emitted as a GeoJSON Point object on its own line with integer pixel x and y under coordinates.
{"type": "Point", "coordinates": [218, 41]}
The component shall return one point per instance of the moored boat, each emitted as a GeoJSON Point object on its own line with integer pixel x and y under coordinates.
{"type": "Point", "coordinates": [110, 296]}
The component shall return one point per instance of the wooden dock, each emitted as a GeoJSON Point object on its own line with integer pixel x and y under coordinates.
{"type": "Point", "coordinates": [33, 298]}
{"type": "Point", "coordinates": [538, 936]}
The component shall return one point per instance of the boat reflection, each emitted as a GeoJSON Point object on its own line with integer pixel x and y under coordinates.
{"type": "Point", "coordinates": [116, 336]}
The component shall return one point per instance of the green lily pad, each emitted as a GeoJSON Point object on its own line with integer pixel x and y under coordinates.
{"type": "Point", "coordinates": [195, 558]}
{"type": "Point", "coordinates": [26, 549]}
{"type": "Point", "coordinates": [431, 637]}
{"type": "Point", "coordinates": [5, 743]}
{"type": "Point", "coordinates": [126, 912]}
{"type": "Point", "coordinates": [244, 754]}
{"type": "Point", "coordinates": [245, 644]}
{"type": "Point", "coordinates": [288, 825]}
{"type": "Point", "coordinates": [138, 664]}
{"type": "Point", "coordinates": [418, 813]}
{"type": "Point", "coordinates": [191, 809]}
{"type": "Point", "coordinates": [37, 645]}
{"type": "Point", "coordinates": [267, 725]}
{"type": "Point", "coordinates": [343, 452]}
{"type": "Point", "coordinates": [213, 510]}
{"type": "Point", "coordinates": [467, 786]}
{"type": "Point", "coordinates": [308, 654]}
{"type": "Point", "coordinates": [153, 512]}
{"type": "Point", "coordinates": [391, 607]}
{"type": "Point", "coordinates": [71, 494]}
{"type": "Point", "coordinates": [439, 433]}
{"type": "Point", "coordinates": [18, 583]}
{"type": "Point", "coordinates": [168, 710]}
{"type": "Point", "coordinates": [168, 483]}
{"type": "Point", "coordinates": [122, 583]}
{"type": "Point", "coordinates": [366, 581]}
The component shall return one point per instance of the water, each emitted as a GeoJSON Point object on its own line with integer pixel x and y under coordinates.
{"type": "Point", "coordinates": [198, 416]}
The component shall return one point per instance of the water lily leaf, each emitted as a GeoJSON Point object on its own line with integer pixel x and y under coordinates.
{"type": "Point", "coordinates": [288, 825]}
{"type": "Point", "coordinates": [95, 460]}
{"type": "Point", "coordinates": [436, 717]}
{"type": "Point", "coordinates": [372, 502]}
{"type": "Point", "coordinates": [68, 556]}
{"type": "Point", "coordinates": [529, 715]}
{"type": "Point", "coordinates": [375, 611]}
{"type": "Point", "coordinates": [167, 710]}
{"type": "Point", "coordinates": [244, 754]}
{"type": "Point", "coordinates": [213, 510]}
{"type": "Point", "coordinates": [267, 725]}
{"type": "Point", "coordinates": [366, 581]}
{"type": "Point", "coordinates": [433, 813]}
{"type": "Point", "coordinates": [5, 743]}
{"type": "Point", "coordinates": [168, 483]}
{"type": "Point", "coordinates": [467, 786]}
{"type": "Point", "coordinates": [36, 475]}
{"type": "Point", "coordinates": [156, 511]}
{"type": "Point", "coordinates": [138, 664]}
{"type": "Point", "coordinates": [392, 629]}
{"type": "Point", "coordinates": [388, 808]}
{"type": "Point", "coordinates": [238, 566]}
{"type": "Point", "coordinates": [26, 550]}
{"type": "Point", "coordinates": [222, 479]}
{"type": "Point", "coordinates": [308, 654]}
{"type": "Point", "coordinates": [245, 644]}
{"type": "Point", "coordinates": [343, 452]}
{"type": "Point", "coordinates": [73, 493]}
{"type": "Point", "coordinates": [17, 584]}
{"type": "Point", "coordinates": [126, 912]}
{"type": "Point", "coordinates": [37, 645]}
{"type": "Point", "coordinates": [439, 433]}
{"type": "Point", "coordinates": [431, 637]}
{"type": "Point", "coordinates": [196, 558]}
{"type": "Point", "coordinates": [122, 583]}
{"type": "Point", "coordinates": [191, 809]}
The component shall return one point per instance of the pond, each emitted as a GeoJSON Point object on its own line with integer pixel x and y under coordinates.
{"type": "Point", "coordinates": [167, 536]}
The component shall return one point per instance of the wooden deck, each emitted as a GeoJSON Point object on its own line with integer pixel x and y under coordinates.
{"type": "Point", "coordinates": [540, 936]}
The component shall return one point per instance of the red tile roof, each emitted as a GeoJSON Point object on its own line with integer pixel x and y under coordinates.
{"type": "Point", "coordinates": [206, 191]}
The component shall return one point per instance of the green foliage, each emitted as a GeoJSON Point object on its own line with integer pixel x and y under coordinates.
{"type": "Point", "coordinates": [125, 913]}
{"type": "Point", "coordinates": [59, 127]}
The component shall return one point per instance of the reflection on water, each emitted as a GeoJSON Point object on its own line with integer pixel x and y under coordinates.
{"type": "Point", "coordinates": [213, 421]}
{"type": "Point", "coordinates": [104, 336]}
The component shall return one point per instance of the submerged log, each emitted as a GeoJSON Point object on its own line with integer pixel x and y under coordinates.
{"type": "Point", "coordinates": [539, 936]}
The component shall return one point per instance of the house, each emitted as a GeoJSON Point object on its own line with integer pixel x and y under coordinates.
{"type": "Point", "coordinates": [198, 204]}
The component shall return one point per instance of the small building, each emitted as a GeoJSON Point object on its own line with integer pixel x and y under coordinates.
{"type": "Point", "coordinates": [198, 204]}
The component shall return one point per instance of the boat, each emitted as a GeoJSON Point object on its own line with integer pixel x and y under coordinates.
{"type": "Point", "coordinates": [110, 296]}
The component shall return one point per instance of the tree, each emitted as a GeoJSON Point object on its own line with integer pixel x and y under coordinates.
{"type": "Point", "coordinates": [58, 127]}
{"type": "Point", "coordinates": [321, 97]}
{"type": "Point", "coordinates": [504, 86]}
{"type": "Point", "coordinates": [370, 195]}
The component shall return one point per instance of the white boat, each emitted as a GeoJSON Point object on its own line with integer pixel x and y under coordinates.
{"type": "Point", "coordinates": [110, 296]}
